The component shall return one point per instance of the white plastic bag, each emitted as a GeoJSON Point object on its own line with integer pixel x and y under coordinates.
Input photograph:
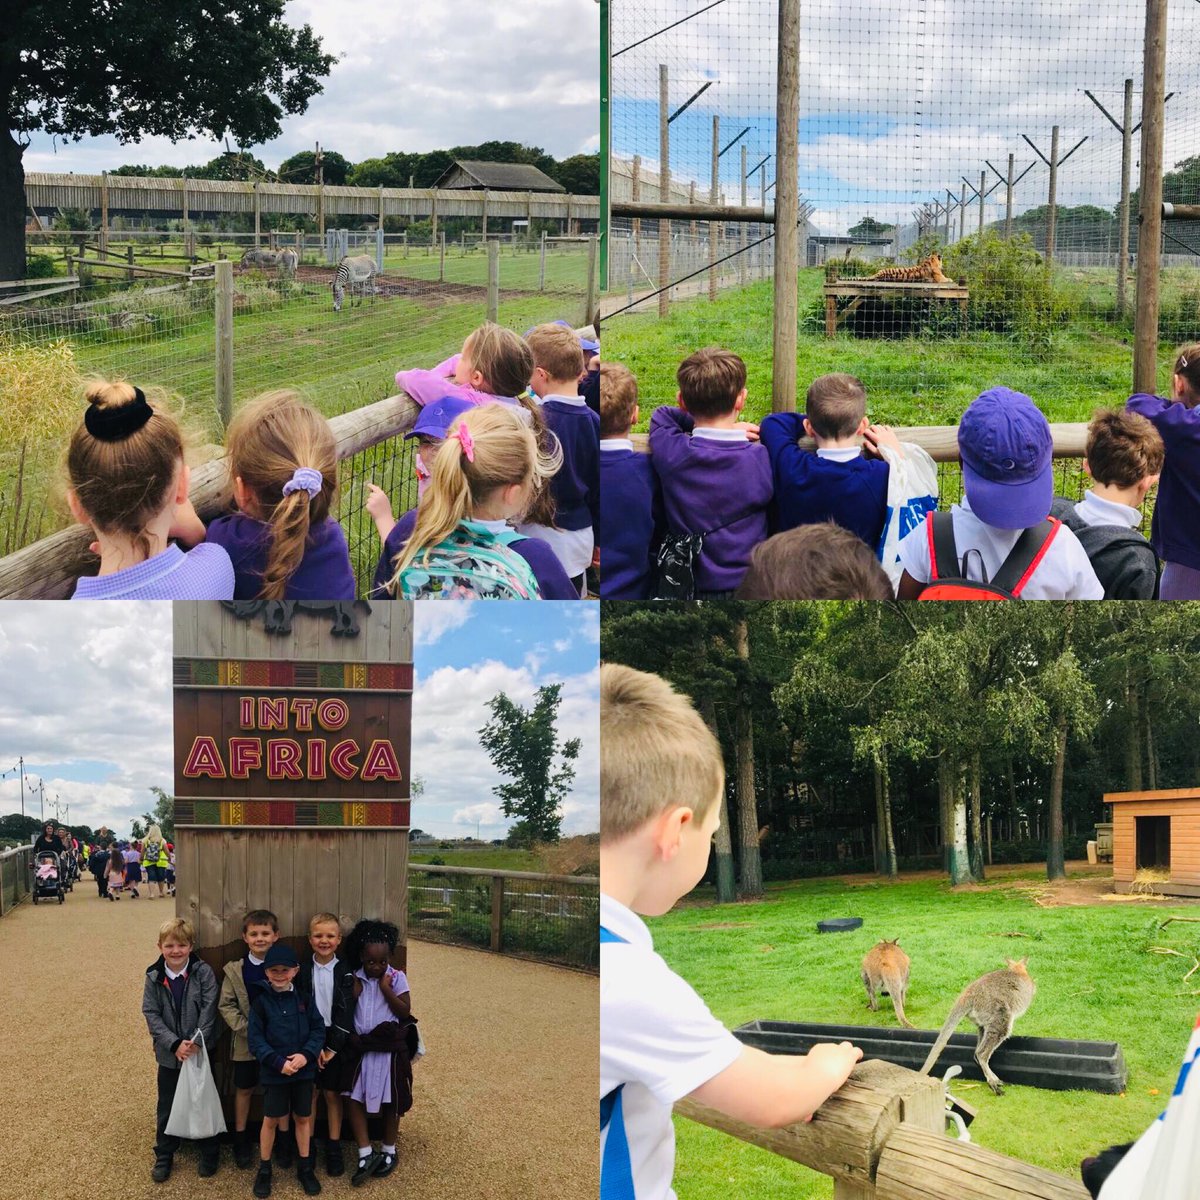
{"type": "Point", "coordinates": [420, 1046]}
{"type": "Point", "coordinates": [912, 492]}
{"type": "Point", "coordinates": [196, 1110]}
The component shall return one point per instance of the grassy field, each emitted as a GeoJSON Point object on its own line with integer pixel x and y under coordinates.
{"type": "Point", "coordinates": [1096, 979]}
{"type": "Point", "coordinates": [909, 381]}
{"type": "Point", "coordinates": [500, 857]}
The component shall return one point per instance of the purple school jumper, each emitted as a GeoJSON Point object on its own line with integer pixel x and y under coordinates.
{"type": "Point", "coordinates": [629, 511]}
{"type": "Point", "coordinates": [576, 485]}
{"type": "Point", "coordinates": [324, 572]}
{"type": "Point", "coordinates": [1175, 526]}
{"type": "Point", "coordinates": [810, 489]}
{"type": "Point", "coordinates": [552, 580]}
{"type": "Point", "coordinates": [717, 487]}
{"type": "Point", "coordinates": [203, 573]}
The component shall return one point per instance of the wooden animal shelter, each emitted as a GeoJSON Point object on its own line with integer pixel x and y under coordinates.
{"type": "Point", "coordinates": [1156, 841]}
{"type": "Point", "coordinates": [292, 766]}
{"type": "Point", "coordinates": [858, 290]}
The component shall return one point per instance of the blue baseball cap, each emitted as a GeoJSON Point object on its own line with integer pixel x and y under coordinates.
{"type": "Point", "coordinates": [436, 418]}
{"type": "Point", "coordinates": [280, 955]}
{"type": "Point", "coordinates": [1006, 448]}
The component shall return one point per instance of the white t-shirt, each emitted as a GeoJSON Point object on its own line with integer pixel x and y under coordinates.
{"type": "Point", "coordinates": [1064, 572]}
{"type": "Point", "coordinates": [322, 978]}
{"type": "Point", "coordinates": [1095, 510]}
{"type": "Point", "coordinates": [658, 1039]}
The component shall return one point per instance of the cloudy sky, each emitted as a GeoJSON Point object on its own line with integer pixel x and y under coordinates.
{"type": "Point", "coordinates": [87, 702]}
{"type": "Point", "coordinates": [465, 655]}
{"type": "Point", "coordinates": [899, 101]}
{"type": "Point", "coordinates": [419, 76]}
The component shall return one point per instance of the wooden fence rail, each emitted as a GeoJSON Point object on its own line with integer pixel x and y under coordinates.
{"type": "Point", "coordinates": [881, 1137]}
{"type": "Point", "coordinates": [14, 877]}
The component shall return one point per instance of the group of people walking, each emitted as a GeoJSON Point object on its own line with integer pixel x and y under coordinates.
{"type": "Point", "coordinates": [129, 866]}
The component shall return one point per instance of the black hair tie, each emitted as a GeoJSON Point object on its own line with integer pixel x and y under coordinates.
{"type": "Point", "coordinates": [117, 423]}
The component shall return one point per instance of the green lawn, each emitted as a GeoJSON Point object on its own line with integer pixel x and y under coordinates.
{"type": "Point", "coordinates": [909, 381]}
{"type": "Point", "coordinates": [500, 857]}
{"type": "Point", "coordinates": [1095, 980]}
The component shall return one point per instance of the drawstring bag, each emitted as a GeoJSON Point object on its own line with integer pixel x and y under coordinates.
{"type": "Point", "coordinates": [912, 492]}
{"type": "Point", "coordinates": [196, 1110]}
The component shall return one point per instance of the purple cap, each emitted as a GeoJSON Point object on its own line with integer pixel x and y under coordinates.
{"type": "Point", "coordinates": [1005, 445]}
{"type": "Point", "coordinates": [435, 419]}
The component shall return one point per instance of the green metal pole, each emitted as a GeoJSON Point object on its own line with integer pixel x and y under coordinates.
{"type": "Point", "coordinates": [605, 139]}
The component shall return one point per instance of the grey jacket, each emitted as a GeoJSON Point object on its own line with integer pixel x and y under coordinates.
{"type": "Point", "coordinates": [198, 1011]}
{"type": "Point", "coordinates": [1122, 559]}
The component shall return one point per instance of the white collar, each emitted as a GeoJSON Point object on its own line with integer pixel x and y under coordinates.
{"type": "Point", "coordinates": [839, 453]}
{"type": "Point", "coordinates": [576, 400]}
{"type": "Point", "coordinates": [624, 922]}
{"type": "Point", "coordinates": [491, 526]}
{"type": "Point", "coordinates": [720, 435]}
{"type": "Point", "coordinates": [1095, 510]}
{"type": "Point", "coordinates": [616, 444]}
{"type": "Point", "coordinates": [258, 962]}
{"type": "Point", "coordinates": [325, 966]}
{"type": "Point", "coordinates": [175, 974]}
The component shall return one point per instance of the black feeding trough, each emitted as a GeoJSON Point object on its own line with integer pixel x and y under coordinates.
{"type": "Point", "coordinates": [839, 924]}
{"type": "Point", "coordinates": [1058, 1064]}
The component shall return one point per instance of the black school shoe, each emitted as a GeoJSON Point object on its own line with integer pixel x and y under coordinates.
{"type": "Point", "coordinates": [262, 1180]}
{"type": "Point", "coordinates": [306, 1174]}
{"type": "Point", "coordinates": [335, 1165]}
{"type": "Point", "coordinates": [365, 1169]}
{"type": "Point", "coordinates": [162, 1167]}
{"type": "Point", "coordinates": [387, 1163]}
{"type": "Point", "coordinates": [242, 1155]}
{"type": "Point", "coordinates": [285, 1148]}
{"type": "Point", "coordinates": [210, 1161]}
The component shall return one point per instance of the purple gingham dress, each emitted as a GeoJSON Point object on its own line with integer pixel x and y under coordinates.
{"type": "Point", "coordinates": [373, 1087]}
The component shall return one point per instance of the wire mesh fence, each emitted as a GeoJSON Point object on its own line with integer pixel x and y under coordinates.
{"type": "Point", "coordinates": [15, 875]}
{"type": "Point", "coordinates": [1002, 137]}
{"type": "Point", "coordinates": [160, 330]}
{"type": "Point", "coordinates": [554, 918]}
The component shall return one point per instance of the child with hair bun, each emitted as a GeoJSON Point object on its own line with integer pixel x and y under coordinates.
{"type": "Point", "coordinates": [1175, 526]}
{"type": "Point", "coordinates": [283, 470]}
{"type": "Point", "coordinates": [458, 542]}
{"type": "Point", "coordinates": [129, 482]}
{"type": "Point", "coordinates": [493, 365]}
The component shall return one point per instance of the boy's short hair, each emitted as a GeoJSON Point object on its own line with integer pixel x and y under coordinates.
{"type": "Point", "coordinates": [260, 916]}
{"type": "Point", "coordinates": [557, 350]}
{"type": "Point", "coordinates": [1122, 448]}
{"type": "Point", "coordinates": [710, 381]}
{"type": "Point", "coordinates": [814, 562]}
{"type": "Point", "coordinates": [324, 919]}
{"type": "Point", "coordinates": [655, 752]}
{"type": "Point", "coordinates": [177, 930]}
{"type": "Point", "coordinates": [618, 399]}
{"type": "Point", "coordinates": [836, 405]}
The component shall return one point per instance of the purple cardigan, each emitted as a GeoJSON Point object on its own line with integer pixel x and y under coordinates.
{"type": "Point", "coordinates": [629, 512]}
{"type": "Point", "coordinates": [1175, 526]}
{"type": "Point", "coordinates": [324, 572]}
{"type": "Point", "coordinates": [718, 488]}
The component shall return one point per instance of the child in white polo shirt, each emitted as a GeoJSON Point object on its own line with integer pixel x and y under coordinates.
{"type": "Point", "coordinates": [661, 778]}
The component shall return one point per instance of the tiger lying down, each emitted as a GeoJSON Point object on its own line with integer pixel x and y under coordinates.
{"type": "Point", "coordinates": [928, 270]}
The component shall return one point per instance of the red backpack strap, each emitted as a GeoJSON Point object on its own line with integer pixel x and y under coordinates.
{"type": "Point", "coordinates": [1026, 554]}
{"type": "Point", "coordinates": [943, 552]}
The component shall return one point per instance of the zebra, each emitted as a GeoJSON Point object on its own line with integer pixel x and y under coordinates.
{"type": "Point", "coordinates": [356, 270]}
{"type": "Point", "coordinates": [256, 257]}
{"type": "Point", "coordinates": [289, 260]}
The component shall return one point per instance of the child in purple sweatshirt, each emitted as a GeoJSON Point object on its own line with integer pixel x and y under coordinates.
{"type": "Point", "coordinates": [715, 477]}
{"type": "Point", "coordinates": [494, 365]}
{"type": "Point", "coordinates": [1175, 526]}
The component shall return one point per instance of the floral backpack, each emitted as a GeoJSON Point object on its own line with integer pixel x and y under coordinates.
{"type": "Point", "coordinates": [473, 562]}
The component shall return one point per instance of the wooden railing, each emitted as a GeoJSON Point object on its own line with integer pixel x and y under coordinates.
{"type": "Point", "coordinates": [15, 877]}
{"type": "Point", "coordinates": [881, 1137]}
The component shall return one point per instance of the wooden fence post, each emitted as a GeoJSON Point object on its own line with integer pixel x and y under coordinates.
{"type": "Point", "coordinates": [497, 942]}
{"type": "Point", "coordinates": [787, 209]}
{"type": "Point", "coordinates": [542, 265]}
{"type": "Point", "coordinates": [664, 195]}
{"type": "Point", "coordinates": [103, 211]}
{"type": "Point", "coordinates": [1126, 159]}
{"type": "Point", "coordinates": [591, 300]}
{"type": "Point", "coordinates": [223, 292]}
{"type": "Point", "coordinates": [713, 226]}
{"type": "Point", "coordinates": [442, 257]}
{"type": "Point", "coordinates": [1052, 200]}
{"type": "Point", "coordinates": [493, 282]}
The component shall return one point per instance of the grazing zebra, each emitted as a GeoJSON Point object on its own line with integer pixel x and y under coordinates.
{"type": "Point", "coordinates": [256, 257]}
{"type": "Point", "coordinates": [355, 270]}
{"type": "Point", "coordinates": [289, 260]}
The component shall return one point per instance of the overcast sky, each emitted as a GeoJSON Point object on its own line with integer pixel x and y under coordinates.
{"type": "Point", "coordinates": [417, 76]}
{"type": "Point", "coordinates": [87, 703]}
{"type": "Point", "coordinates": [899, 101]}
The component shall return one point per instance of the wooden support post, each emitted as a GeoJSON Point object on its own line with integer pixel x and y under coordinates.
{"type": "Point", "coordinates": [591, 300]}
{"type": "Point", "coordinates": [692, 201]}
{"type": "Point", "coordinates": [830, 316]}
{"type": "Point", "coordinates": [713, 226]}
{"type": "Point", "coordinates": [787, 209]}
{"type": "Point", "coordinates": [223, 273]}
{"type": "Point", "coordinates": [542, 264]}
{"type": "Point", "coordinates": [257, 217]}
{"type": "Point", "coordinates": [635, 194]}
{"type": "Point", "coordinates": [762, 203]}
{"type": "Point", "coordinates": [1126, 161]}
{"type": "Point", "coordinates": [1052, 202]}
{"type": "Point", "coordinates": [949, 209]}
{"type": "Point", "coordinates": [493, 284]}
{"type": "Point", "coordinates": [664, 194]}
{"type": "Point", "coordinates": [129, 259]}
{"type": "Point", "coordinates": [485, 214]}
{"type": "Point", "coordinates": [962, 214]}
{"type": "Point", "coordinates": [184, 192]}
{"type": "Point", "coordinates": [982, 193]}
{"type": "Point", "coordinates": [1008, 202]}
{"type": "Point", "coordinates": [442, 258]}
{"type": "Point", "coordinates": [433, 216]}
{"type": "Point", "coordinates": [742, 226]}
{"type": "Point", "coordinates": [1145, 336]}
{"type": "Point", "coordinates": [104, 212]}
{"type": "Point", "coordinates": [497, 931]}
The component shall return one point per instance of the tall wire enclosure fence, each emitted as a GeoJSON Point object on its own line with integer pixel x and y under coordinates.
{"type": "Point", "coordinates": [1000, 137]}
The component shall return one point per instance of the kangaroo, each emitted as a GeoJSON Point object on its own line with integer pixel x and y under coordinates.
{"type": "Point", "coordinates": [885, 970]}
{"type": "Point", "coordinates": [994, 1001]}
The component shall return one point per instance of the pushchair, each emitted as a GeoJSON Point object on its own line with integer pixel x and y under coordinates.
{"type": "Point", "coordinates": [48, 877]}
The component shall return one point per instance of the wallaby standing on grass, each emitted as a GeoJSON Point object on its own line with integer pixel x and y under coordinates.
{"type": "Point", "coordinates": [885, 969]}
{"type": "Point", "coordinates": [994, 1001]}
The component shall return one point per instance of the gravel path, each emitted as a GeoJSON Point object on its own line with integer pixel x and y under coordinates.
{"type": "Point", "coordinates": [505, 1101]}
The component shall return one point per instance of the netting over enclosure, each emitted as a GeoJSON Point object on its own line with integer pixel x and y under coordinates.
{"type": "Point", "coordinates": [987, 133]}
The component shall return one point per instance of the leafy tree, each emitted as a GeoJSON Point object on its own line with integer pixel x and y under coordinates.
{"type": "Point", "coordinates": [187, 69]}
{"type": "Point", "coordinates": [141, 169]}
{"type": "Point", "coordinates": [14, 827]}
{"type": "Point", "coordinates": [525, 745]}
{"type": "Point", "coordinates": [302, 168]}
{"type": "Point", "coordinates": [869, 227]}
{"type": "Point", "coordinates": [579, 174]}
{"type": "Point", "coordinates": [162, 815]}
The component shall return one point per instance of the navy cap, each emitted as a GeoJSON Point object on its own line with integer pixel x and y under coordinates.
{"type": "Point", "coordinates": [1006, 448]}
{"type": "Point", "coordinates": [280, 955]}
{"type": "Point", "coordinates": [435, 419]}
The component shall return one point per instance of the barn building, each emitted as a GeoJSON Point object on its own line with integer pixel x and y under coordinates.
{"type": "Point", "coordinates": [1156, 840]}
{"type": "Point", "coordinates": [470, 176]}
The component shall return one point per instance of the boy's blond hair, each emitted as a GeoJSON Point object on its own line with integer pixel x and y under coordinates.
{"type": "Point", "coordinates": [655, 752]}
{"type": "Point", "coordinates": [177, 930]}
{"type": "Point", "coordinates": [324, 919]}
{"type": "Point", "coordinates": [618, 399]}
{"type": "Point", "coordinates": [557, 350]}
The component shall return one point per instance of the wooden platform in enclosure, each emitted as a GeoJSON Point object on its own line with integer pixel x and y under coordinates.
{"type": "Point", "coordinates": [858, 290]}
